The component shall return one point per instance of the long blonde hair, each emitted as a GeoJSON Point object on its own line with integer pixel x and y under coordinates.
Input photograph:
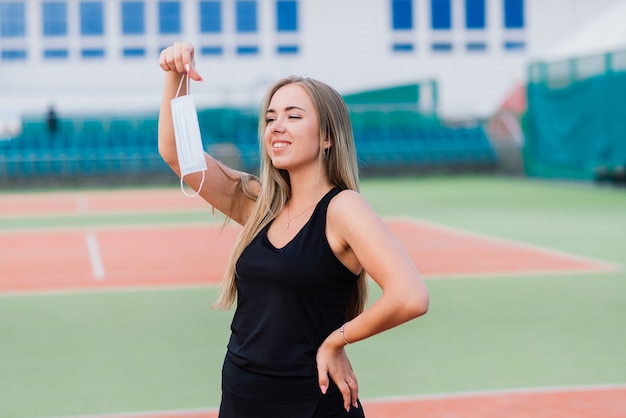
{"type": "Point", "coordinates": [340, 163]}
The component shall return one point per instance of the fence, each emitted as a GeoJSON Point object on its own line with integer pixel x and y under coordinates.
{"type": "Point", "coordinates": [575, 125]}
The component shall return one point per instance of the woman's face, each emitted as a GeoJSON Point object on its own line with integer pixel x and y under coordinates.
{"type": "Point", "coordinates": [292, 129]}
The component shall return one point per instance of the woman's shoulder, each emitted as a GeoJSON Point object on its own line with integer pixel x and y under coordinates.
{"type": "Point", "coordinates": [346, 196]}
{"type": "Point", "coordinates": [348, 204]}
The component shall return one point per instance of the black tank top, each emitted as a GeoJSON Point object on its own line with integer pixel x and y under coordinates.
{"type": "Point", "coordinates": [289, 300]}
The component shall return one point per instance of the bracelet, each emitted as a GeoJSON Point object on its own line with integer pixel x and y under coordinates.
{"type": "Point", "coordinates": [342, 330]}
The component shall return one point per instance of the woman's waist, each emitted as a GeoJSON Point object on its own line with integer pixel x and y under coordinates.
{"type": "Point", "coordinates": [253, 385]}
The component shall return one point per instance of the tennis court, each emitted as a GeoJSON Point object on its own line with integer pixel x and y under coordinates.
{"type": "Point", "coordinates": [105, 294]}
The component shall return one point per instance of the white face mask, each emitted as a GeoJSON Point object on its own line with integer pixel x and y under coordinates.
{"type": "Point", "coordinates": [188, 139]}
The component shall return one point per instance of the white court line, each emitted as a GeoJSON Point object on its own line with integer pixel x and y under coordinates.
{"type": "Point", "coordinates": [97, 266]}
{"type": "Point", "coordinates": [605, 265]}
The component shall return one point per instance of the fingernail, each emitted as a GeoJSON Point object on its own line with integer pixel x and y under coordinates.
{"type": "Point", "coordinates": [187, 67]}
{"type": "Point", "coordinates": [324, 388]}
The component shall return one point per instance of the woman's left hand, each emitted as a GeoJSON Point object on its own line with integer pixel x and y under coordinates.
{"type": "Point", "coordinates": [333, 363]}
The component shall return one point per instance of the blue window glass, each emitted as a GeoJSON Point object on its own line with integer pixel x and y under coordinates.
{"type": "Point", "coordinates": [92, 53]}
{"type": "Point", "coordinates": [247, 50]}
{"type": "Point", "coordinates": [133, 18]}
{"type": "Point", "coordinates": [13, 54]}
{"type": "Point", "coordinates": [514, 45]}
{"type": "Point", "coordinates": [287, 49]}
{"type": "Point", "coordinates": [403, 47]}
{"type": "Point", "coordinates": [212, 50]}
{"type": "Point", "coordinates": [134, 52]}
{"type": "Point", "coordinates": [475, 14]}
{"type": "Point", "coordinates": [54, 18]}
{"type": "Point", "coordinates": [210, 16]}
{"type": "Point", "coordinates": [476, 46]}
{"type": "Point", "coordinates": [246, 15]}
{"type": "Point", "coordinates": [91, 18]}
{"type": "Point", "coordinates": [440, 14]}
{"type": "Point", "coordinates": [55, 53]}
{"type": "Point", "coordinates": [169, 17]}
{"type": "Point", "coordinates": [12, 21]}
{"type": "Point", "coordinates": [402, 14]}
{"type": "Point", "coordinates": [441, 47]}
{"type": "Point", "coordinates": [514, 14]}
{"type": "Point", "coordinates": [286, 16]}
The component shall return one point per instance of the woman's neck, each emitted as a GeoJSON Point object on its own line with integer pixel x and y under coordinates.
{"type": "Point", "coordinates": [307, 190]}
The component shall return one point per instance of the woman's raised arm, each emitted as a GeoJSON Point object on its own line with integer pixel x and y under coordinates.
{"type": "Point", "coordinates": [222, 185]}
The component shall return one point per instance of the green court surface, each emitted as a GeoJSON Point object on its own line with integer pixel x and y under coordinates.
{"type": "Point", "coordinates": [79, 353]}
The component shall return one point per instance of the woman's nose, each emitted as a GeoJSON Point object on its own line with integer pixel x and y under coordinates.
{"type": "Point", "coordinates": [277, 125]}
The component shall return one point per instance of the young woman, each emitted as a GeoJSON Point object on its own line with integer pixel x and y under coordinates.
{"type": "Point", "coordinates": [298, 270]}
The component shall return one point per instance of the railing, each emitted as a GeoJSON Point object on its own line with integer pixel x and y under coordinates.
{"type": "Point", "coordinates": [116, 149]}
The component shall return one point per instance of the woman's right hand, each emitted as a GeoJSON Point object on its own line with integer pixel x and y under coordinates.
{"type": "Point", "coordinates": [221, 185]}
{"type": "Point", "coordinates": [176, 60]}
{"type": "Point", "coordinates": [179, 58]}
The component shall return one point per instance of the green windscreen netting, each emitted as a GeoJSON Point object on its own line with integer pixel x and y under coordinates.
{"type": "Point", "coordinates": [576, 117]}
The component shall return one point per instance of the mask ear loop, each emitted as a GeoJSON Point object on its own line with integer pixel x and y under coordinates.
{"type": "Point", "coordinates": [182, 186]}
{"type": "Point", "coordinates": [181, 84]}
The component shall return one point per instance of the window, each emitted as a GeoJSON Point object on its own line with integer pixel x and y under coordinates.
{"type": "Point", "coordinates": [441, 47]}
{"type": "Point", "coordinates": [54, 18]}
{"type": "Point", "coordinates": [169, 17]}
{"type": "Point", "coordinates": [514, 45]}
{"type": "Point", "coordinates": [287, 49]}
{"type": "Point", "coordinates": [246, 16]}
{"type": "Point", "coordinates": [440, 14]}
{"type": "Point", "coordinates": [210, 16]}
{"type": "Point", "coordinates": [212, 50]}
{"type": "Point", "coordinates": [476, 46]}
{"type": "Point", "coordinates": [402, 14]}
{"type": "Point", "coordinates": [402, 25]}
{"type": "Point", "coordinates": [403, 47]}
{"type": "Point", "coordinates": [92, 53]}
{"type": "Point", "coordinates": [514, 14]}
{"type": "Point", "coordinates": [286, 16]}
{"type": "Point", "coordinates": [55, 53]}
{"type": "Point", "coordinates": [134, 52]}
{"type": "Point", "coordinates": [133, 18]}
{"type": "Point", "coordinates": [475, 14]}
{"type": "Point", "coordinates": [91, 18]}
{"type": "Point", "coordinates": [13, 54]}
{"type": "Point", "coordinates": [12, 21]}
{"type": "Point", "coordinates": [247, 50]}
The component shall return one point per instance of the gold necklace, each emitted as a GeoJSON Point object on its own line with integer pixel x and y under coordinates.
{"type": "Point", "coordinates": [289, 218]}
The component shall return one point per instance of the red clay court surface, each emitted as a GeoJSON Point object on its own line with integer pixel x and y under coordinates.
{"type": "Point", "coordinates": [600, 402]}
{"type": "Point", "coordinates": [183, 254]}
{"type": "Point", "coordinates": [178, 255]}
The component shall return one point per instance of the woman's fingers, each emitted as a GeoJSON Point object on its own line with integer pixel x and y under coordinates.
{"type": "Point", "coordinates": [334, 363]}
{"type": "Point", "coordinates": [349, 391]}
{"type": "Point", "coordinates": [194, 74]}
{"type": "Point", "coordinates": [353, 385]}
{"type": "Point", "coordinates": [179, 57]}
{"type": "Point", "coordinates": [163, 59]}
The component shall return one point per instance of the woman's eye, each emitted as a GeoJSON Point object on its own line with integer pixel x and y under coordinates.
{"type": "Point", "coordinates": [269, 120]}
{"type": "Point", "coordinates": [294, 117]}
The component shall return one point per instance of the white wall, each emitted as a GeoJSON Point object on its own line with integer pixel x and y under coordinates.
{"type": "Point", "coordinates": [346, 43]}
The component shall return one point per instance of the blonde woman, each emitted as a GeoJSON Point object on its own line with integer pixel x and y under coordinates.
{"type": "Point", "coordinates": [298, 270]}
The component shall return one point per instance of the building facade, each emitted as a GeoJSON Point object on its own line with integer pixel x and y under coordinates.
{"type": "Point", "coordinates": [101, 56]}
